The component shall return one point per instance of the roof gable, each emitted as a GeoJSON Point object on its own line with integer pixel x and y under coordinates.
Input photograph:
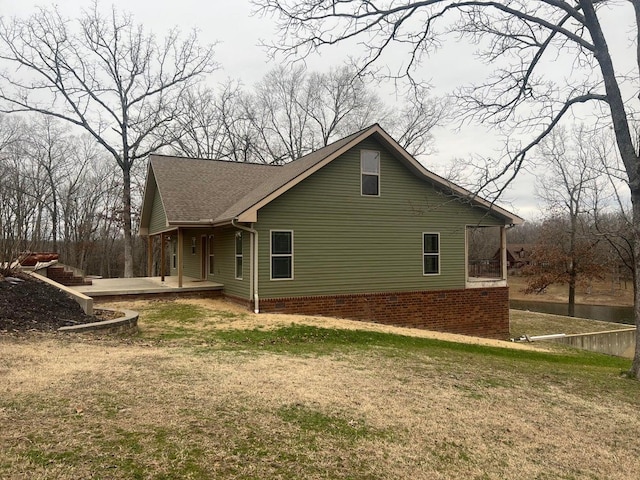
{"type": "Point", "coordinates": [209, 192]}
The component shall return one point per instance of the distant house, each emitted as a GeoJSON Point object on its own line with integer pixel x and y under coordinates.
{"type": "Point", "coordinates": [518, 255]}
{"type": "Point", "coordinates": [358, 229]}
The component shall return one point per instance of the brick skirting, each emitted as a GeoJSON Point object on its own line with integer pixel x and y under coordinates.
{"type": "Point", "coordinates": [481, 312]}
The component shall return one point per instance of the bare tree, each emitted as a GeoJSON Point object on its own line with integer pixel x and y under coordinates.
{"type": "Point", "coordinates": [279, 110]}
{"type": "Point", "coordinates": [291, 112]}
{"type": "Point", "coordinates": [519, 37]}
{"type": "Point", "coordinates": [217, 125]}
{"type": "Point", "coordinates": [49, 146]}
{"type": "Point", "coordinates": [571, 187]}
{"type": "Point", "coordinates": [104, 74]}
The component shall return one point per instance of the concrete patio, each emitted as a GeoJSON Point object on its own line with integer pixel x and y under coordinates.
{"type": "Point", "coordinates": [102, 287]}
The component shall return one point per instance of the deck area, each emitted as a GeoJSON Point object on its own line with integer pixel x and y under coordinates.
{"type": "Point", "coordinates": [145, 285]}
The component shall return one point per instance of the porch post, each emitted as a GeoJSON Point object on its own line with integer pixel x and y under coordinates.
{"type": "Point", "coordinates": [180, 244]}
{"type": "Point", "coordinates": [162, 257]}
{"type": "Point", "coordinates": [149, 255]}
{"type": "Point", "coordinates": [503, 251]}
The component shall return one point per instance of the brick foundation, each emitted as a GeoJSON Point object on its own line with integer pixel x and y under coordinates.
{"type": "Point", "coordinates": [481, 312]}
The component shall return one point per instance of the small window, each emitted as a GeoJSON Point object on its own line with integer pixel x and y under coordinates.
{"type": "Point", "coordinates": [193, 245]}
{"type": "Point", "coordinates": [281, 255]}
{"type": "Point", "coordinates": [174, 261]}
{"type": "Point", "coordinates": [430, 253]}
{"type": "Point", "coordinates": [370, 172]}
{"type": "Point", "coordinates": [239, 255]}
{"type": "Point", "coordinates": [211, 257]}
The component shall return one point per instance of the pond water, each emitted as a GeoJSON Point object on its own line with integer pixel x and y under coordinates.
{"type": "Point", "coordinates": [594, 312]}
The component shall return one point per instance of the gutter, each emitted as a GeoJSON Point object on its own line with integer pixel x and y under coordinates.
{"type": "Point", "coordinates": [253, 264]}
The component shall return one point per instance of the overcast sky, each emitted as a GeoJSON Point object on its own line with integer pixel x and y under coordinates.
{"type": "Point", "coordinates": [230, 23]}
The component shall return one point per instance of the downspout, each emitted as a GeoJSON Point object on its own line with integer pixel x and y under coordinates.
{"type": "Point", "coordinates": [253, 265]}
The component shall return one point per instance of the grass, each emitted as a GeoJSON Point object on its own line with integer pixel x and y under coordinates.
{"type": "Point", "coordinates": [533, 323]}
{"type": "Point", "coordinates": [201, 393]}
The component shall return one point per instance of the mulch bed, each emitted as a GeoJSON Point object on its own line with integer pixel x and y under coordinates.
{"type": "Point", "coordinates": [27, 304]}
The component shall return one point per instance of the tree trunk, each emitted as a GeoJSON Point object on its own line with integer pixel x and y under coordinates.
{"type": "Point", "coordinates": [635, 200]}
{"type": "Point", "coordinates": [573, 268]}
{"type": "Point", "coordinates": [572, 294]}
{"type": "Point", "coordinates": [126, 221]}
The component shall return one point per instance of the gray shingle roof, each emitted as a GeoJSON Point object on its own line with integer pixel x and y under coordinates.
{"type": "Point", "coordinates": [194, 190]}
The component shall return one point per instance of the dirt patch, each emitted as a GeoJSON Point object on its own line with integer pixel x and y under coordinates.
{"type": "Point", "coordinates": [27, 304]}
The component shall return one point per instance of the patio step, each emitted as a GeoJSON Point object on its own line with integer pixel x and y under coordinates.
{"type": "Point", "coordinates": [66, 277]}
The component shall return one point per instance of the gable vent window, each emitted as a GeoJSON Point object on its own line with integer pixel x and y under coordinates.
{"type": "Point", "coordinates": [430, 253]}
{"type": "Point", "coordinates": [281, 255]}
{"type": "Point", "coordinates": [370, 172]}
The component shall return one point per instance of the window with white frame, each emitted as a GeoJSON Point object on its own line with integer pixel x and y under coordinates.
{"type": "Point", "coordinates": [369, 172]}
{"type": "Point", "coordinates": [211, 256]}
{"type": "Point", "coordinates": [239, 255]}
{"type": "Point", "coordinates": [430, 253]}
{"type": "Point", "coordinates": [281, 255]}
{"type": "Point", "coordinates": [174, 249]}
{"type": "Point", "coordinates": [194, 245]}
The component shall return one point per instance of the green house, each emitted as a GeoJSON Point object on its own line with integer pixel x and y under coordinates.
{"type": "Point", "coordinates": [358, 229]}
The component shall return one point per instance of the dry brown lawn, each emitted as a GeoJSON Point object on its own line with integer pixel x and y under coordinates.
{"type": "Point", "coordinates": [597, 292]}
{"type": "Point", "coordinates": [182, 400]}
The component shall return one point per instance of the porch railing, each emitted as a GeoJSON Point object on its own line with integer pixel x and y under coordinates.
{"type": "Point", "coordinates": [485, 269]}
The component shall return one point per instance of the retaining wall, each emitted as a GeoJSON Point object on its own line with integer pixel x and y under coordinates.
{"type": "Point", "coordinates": [85, 302]}
{"type": "Point", "coordinates": [620, 343]}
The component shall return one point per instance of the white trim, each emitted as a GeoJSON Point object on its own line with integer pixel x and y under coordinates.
{"type": "Point", "coordinates": [253, 263]}
{"type": "Point", "coordinates": [438, 255]}
{"type": "Point", "coordinates": [363, 172]}
{"type": "Point", "coordinates": [475, 282]}
{"type": "Point", "coordinates": [271, 254]}
{"type": "Point", "coordinates": [236, 255]}
{"type": "Point", "coordinates": [211, 254]}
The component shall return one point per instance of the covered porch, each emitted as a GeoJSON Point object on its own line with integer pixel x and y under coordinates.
{"type": "Point", "coordinates": [486, 252]}
{"type": "Point", "coordinates": [102, 287]}
{"type": "Point", "coordinates": [161, 260]}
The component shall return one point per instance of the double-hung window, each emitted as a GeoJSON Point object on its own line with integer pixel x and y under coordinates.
{"type": "Point", "coordinates": [430, 253]}
{"type": "Point", "coordinates": [369, 172]}
{"type": "Point", "coordinates": [238, 255]}
{"type": "Point", "coordinates": [281, 255]}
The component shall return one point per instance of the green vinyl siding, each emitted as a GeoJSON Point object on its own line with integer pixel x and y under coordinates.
{"type": "Point", "coordinates": [192, 266]}
{"type": "Point", "coordinates": [158, 221]}
{"type": "Point", "coordinates": [345, 242]}
{"type": "Point", "coordinates": [225, 251]}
